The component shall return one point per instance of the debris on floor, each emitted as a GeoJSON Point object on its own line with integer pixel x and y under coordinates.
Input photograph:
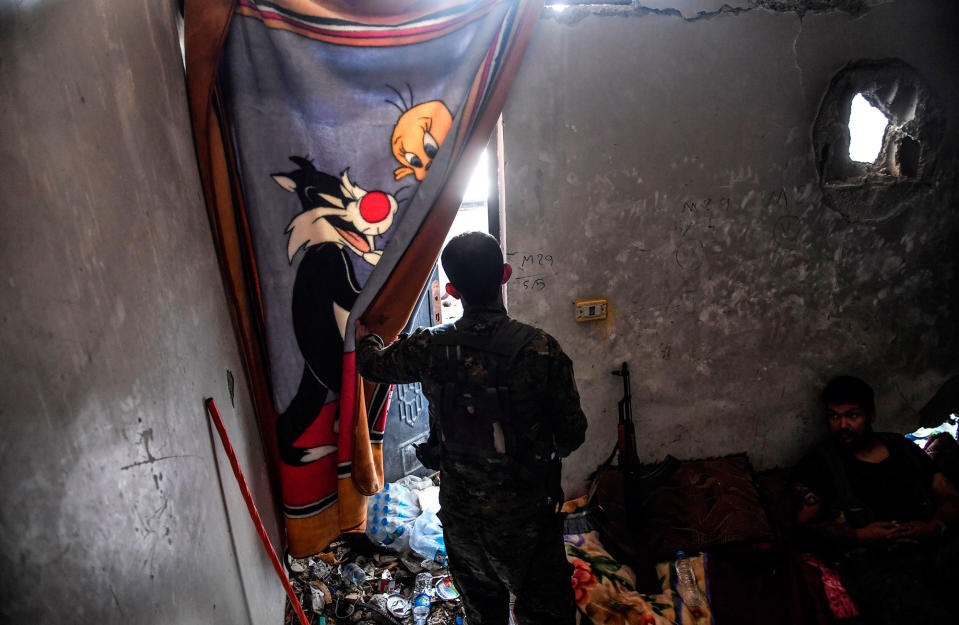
{"type": "Point", "coordinates": [378, 577]}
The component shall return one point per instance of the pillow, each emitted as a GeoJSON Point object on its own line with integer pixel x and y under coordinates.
{"type": "Point", "coordinates": [706, 504]}
{"type": "Point", "coordinates": [776, 494]}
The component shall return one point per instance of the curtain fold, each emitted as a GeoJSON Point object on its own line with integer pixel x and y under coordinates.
{"type": "Point", "coordinates": [334, 142]}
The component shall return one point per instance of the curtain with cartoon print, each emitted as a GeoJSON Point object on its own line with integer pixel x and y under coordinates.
{"type": "Point", "coordinates": [334, 141]}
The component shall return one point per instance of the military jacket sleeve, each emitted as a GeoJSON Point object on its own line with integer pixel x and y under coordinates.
{"type": "Point", "coordinates": [401, 362]}
{"type": "Point", "coordinates": [569, 421]}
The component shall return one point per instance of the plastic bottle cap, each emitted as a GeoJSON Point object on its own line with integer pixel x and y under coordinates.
{"type": "Point", "coordinates": [680, 554]}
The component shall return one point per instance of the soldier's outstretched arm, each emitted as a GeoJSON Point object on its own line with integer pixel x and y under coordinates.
{"type": "Point", "coordinates": [569, 421]}
{"type": "Point", "coordinates": [400, 362]}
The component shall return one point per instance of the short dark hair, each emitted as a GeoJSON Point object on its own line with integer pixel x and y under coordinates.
{"type": "Point", "coordinates": [473, 261]}
{"type": "Point", "coordinates": [847, 389]}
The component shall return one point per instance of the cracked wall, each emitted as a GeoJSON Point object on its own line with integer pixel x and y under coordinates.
{"type": "Point", "coordinates": [664, 159]}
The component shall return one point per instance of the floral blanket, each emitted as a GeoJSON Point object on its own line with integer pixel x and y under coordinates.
{"type": "Point", "coordinates": [605, 589]}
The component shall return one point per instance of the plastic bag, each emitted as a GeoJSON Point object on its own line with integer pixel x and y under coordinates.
{"type": "Point", "coordinates": [426, 537]}
{"type": "Point", "coordinates": [390, 514]}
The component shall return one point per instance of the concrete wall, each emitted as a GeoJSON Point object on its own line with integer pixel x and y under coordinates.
{"type": "Point", "coordinates": [118, 505]}
{"type": "Point", "coordinates": [663, 159]}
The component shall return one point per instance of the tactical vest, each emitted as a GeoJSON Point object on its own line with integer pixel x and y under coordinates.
{"type": "Point", "coordinates": [475, 410]}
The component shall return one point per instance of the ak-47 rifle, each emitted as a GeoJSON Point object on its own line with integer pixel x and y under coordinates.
{"type": "Point", "coordinates": [625, 434]}
{"type": "Point", "coordinates": [620, 528]}
{"type": "Point", "coordinates": [635, 484]}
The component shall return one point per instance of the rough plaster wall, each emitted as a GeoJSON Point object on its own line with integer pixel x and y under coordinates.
{"type": "Point", "coordinates": [118, 506]}
{"type": "Point", "coordinates": [664, 160]}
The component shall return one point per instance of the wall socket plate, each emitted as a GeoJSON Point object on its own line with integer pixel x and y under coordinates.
{"type": "Point", "coordinates": [591, 309]}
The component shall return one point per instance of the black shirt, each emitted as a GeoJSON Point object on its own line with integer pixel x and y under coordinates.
{"type": "Point", "coordinates": [896, 489]}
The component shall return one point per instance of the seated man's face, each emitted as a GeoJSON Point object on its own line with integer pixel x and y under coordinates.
{"type": "Point", "coordinates": [849, 424]}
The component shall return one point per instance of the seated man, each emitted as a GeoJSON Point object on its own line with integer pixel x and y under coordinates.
{"type": "Point", "coordinates": [875, 506]}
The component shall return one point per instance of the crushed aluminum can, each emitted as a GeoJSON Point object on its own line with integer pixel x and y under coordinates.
{"type": "Point", "coordinates": [431, 565]}
{"type": "Point", "coordinates": [297, 565]}
{"type": "Point", "coordinates": [319, 569]}
{"type": "Point", "coordinates": [398, 606]}
{"type": "Point", "coordinates": [445, 589]}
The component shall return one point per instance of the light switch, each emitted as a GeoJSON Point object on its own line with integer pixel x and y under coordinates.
{"type": "Point", "coordinates": [591, 309]}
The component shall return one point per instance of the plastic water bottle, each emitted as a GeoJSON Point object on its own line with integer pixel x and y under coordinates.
{"type": "Point", "coordinates": [352, 573]}
{"type": "Point", "coordinates": [421, 598]}
{"type": "Point", "coordinates": [686, 581]}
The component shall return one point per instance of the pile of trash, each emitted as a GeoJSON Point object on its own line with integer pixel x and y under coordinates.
{"type": "Point", "coordinates": [394, 574]}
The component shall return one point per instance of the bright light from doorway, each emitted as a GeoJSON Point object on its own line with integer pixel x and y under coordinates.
{"type": "Point", "coordinates": [478, 188]}
{"type": "Point", "coordinates": [867, 127]}
{"type": "Point", "coordinates": [472, 215]}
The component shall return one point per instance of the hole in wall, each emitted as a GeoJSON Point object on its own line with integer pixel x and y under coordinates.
{"type": "Point", "coordinates": [875, 140]}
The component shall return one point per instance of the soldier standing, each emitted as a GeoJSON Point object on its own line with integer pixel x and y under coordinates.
{"type": "Point", "coordinates": [504, 410]}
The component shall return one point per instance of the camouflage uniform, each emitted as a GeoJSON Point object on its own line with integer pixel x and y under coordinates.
{"type": "Point", "coordinates": [499, 517]}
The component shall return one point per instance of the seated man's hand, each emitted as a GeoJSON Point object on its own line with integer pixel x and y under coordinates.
{"type": "Point", "coordinates": [917, 531]}
{"type": "Point", "coordinates": [877, 531]}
